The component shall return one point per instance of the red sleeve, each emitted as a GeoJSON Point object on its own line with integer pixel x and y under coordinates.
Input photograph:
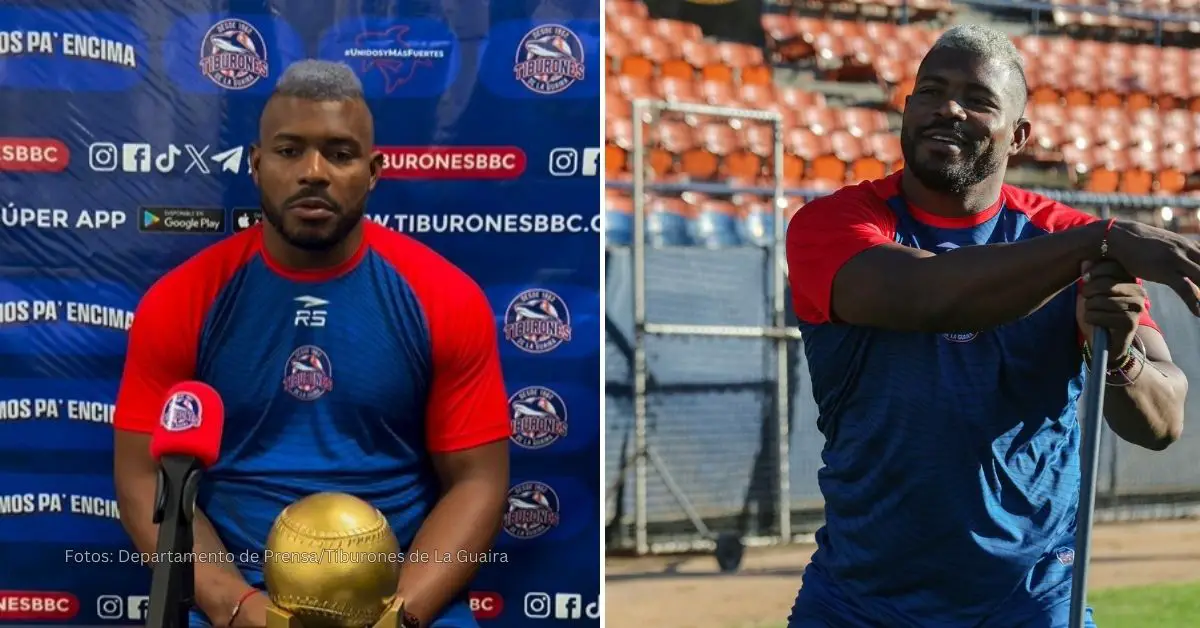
{"type": "Point", "coordinates": [161, 353]}
{"type": "Point", "coordinates": [823, 236]}
{"type": "Point", "coordinates": [165, 334]}
{"type": "Point", "coordinates": [1052, 217]}
{"type": "Point", "coordinates": [468, 406]}
{"type": "Point", "coordinates": [1145, 319]}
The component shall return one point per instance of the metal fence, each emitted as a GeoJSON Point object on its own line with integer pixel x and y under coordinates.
{"type": "Point", "coordinates": [711, 426]}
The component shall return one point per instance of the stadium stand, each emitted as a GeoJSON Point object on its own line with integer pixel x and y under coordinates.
{"type": "Point", "coordinates": [1110, 117]}
{"type": "Point", "coordinates": [704, 375]}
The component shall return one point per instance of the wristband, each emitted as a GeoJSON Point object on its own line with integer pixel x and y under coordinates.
{"type": "Point", "coordinates": [237, 608]}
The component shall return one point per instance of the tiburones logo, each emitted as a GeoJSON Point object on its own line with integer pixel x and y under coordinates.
{"type": "Point", "coordinates": [537, 321]}
{"type": "Point", "coordinates": [182, 412]}
{"type": "Point", "coordinates": [533, 510]}
{"type": "Point", "coordinates": [234, 54]}
{"type": "Point", "coordinates": [539, 417]}
{"type": "Point", "coordinates": [182, 220]}
{"type": "Point", "coordinates": [308, 374]}
{"type": "Point", "coordinates": [549, 59]}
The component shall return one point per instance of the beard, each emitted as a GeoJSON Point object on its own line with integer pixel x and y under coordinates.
{"type": "Point", "coordinates": [956, 174]}
{"type": "Point", "coordinates": [318, 237]}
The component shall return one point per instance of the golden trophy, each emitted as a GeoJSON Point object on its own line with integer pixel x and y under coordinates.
{"type": "Point", "coordinates": [332, 561]}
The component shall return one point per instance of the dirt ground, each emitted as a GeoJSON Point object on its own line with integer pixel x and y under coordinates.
{"type": "Point", "coordinates": [689, 592]}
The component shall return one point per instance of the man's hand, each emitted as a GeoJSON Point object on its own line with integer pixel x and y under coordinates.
{"type": "Point", "coordinates": [1160, 256]}
{"type": "Point", "coordinates": [1110, 298]}
{"type": "Point", "coordinates": [253, 613]}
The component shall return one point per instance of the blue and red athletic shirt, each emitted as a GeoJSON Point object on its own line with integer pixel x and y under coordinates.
{"type": "Point", "coordinates": [347, 379]}
{"type": "Point", "coordinates": [951, 461]}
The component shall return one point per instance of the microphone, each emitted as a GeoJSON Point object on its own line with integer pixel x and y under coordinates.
{"type": "Point", "coordinates": [186, 441]}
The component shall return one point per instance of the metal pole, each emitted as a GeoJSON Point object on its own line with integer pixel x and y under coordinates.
{"type": "Point", "coordinates": [1114, 458]}
{"type": "Point", "coordinates": [781, 344]}
{"type": "Point", "coordinates": [720, 331]}
{"type": "Point", "coordinates": [1089, 460]}
{"type": "Point", "coordinates": [640, 110]}
{"type": "Point", "coordinates": [643, 113]}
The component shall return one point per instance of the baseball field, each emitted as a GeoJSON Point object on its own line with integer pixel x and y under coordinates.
{"type": "Point", "coordinates": [1143, 574]}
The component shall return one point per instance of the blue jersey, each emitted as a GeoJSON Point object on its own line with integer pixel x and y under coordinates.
{"type": "Point", "coordinates": [951, 461]}
{"type": "Point", "coordinates": [346, 379]}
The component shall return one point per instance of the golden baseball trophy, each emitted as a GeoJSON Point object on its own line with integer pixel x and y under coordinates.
{"type": "Point", "coordinates": [332, 561]}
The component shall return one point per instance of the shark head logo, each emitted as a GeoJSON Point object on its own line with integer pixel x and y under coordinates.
{"type": "Point", "coordinates": [394, 57]}
{"type": "Point", "coordinates": [549, 59]}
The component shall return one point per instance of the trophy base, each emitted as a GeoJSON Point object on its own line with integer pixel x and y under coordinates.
{"type": "Point", "coordinates": [279, 618]}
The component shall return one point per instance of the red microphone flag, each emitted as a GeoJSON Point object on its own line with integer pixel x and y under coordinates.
{"type": "Point", "coordinates": [193, 418]}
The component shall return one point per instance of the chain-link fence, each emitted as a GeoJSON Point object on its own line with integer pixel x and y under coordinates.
{"type": "Point", "coordinates": [711, 425]}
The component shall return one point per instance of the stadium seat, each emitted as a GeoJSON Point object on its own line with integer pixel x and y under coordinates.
{"type": "Point", "coordinates": [756, 223]}
{"type": "Point", "coordinates": [1118, 116]}
{"type": "Point", "coordinates": [618, 220]}
{"type": "Point", "coordinates": [716, 224]}
{"type": "Point", "coordinates": [668, 222]}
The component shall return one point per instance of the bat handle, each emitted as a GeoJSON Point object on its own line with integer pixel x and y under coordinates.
{"type": "Point", "coordinates": [1089, 464]}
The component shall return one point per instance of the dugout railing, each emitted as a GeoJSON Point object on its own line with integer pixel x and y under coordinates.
{"type": "Point", "coordinates": [710, 423]}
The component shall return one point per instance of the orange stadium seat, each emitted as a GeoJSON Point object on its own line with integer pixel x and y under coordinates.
{"type": "Point", "coordinates": [757, 95]}
{"type": "Point", "coordinates": [625, 7]}
{"type": "Point", "coordinates": [1172, 174]}
{"type": "Point", "coordinates": [677, 89]}
{"type": "Point", "coordinates": [1122, 117]}
{"type": "Point", "coordinates": [677, 31]}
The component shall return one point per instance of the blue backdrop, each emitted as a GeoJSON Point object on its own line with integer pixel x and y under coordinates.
{"type": "Point", "coordinates": [123, 147]}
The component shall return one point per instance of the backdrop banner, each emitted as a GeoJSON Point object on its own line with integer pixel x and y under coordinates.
{"type": "Point", "coordinates": [123, 151]}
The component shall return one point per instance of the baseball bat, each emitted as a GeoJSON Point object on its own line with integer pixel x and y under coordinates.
{"type": "Point", "coordinates": [1089, 463]}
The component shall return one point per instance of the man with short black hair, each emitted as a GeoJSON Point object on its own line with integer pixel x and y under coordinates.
{"type": "Point", "coordinates": [945, 317]}
{"type": "Point", "coordinates": [350, 358]}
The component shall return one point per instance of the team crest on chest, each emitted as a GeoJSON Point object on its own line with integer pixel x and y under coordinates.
{"type": "Point", "coordinates": [308, 374]}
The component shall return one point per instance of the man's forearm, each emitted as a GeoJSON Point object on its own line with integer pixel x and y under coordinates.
{"type": "Point", "coordinates": [443, 557]}
{"type": "Point", "coordinates": [969, 289]}
{"type": "Point", "coordinates": [218, 584]}
{"type": "Point", "coordinates": [1149, 412]}
{"type": "Point", "coordinates": [976, 288]}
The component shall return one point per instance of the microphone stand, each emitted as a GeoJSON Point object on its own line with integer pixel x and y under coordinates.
{"type": "Point", "coordinates": [173, 585]}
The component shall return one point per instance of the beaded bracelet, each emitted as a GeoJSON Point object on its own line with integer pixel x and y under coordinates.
{"type": "Point", "coordinates": [1127, 370]}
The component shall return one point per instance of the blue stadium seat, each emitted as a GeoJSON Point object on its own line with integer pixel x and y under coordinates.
{"type": "Point", "coordinates": [757, 225]}
{"type": "Point", "coordinates": [716, 225]}
{"type": "Point", "coordinates": [618, 228]}
{"type": "Point", "coordinates": [668, 228]}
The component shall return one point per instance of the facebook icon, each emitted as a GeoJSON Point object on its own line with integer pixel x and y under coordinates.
{"type": "Point", "coordinates": [568, 606]}
{"type": "Point", "coordinates": [135, 157]}
{"type": "Point", "coordinates": [138, 606]}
